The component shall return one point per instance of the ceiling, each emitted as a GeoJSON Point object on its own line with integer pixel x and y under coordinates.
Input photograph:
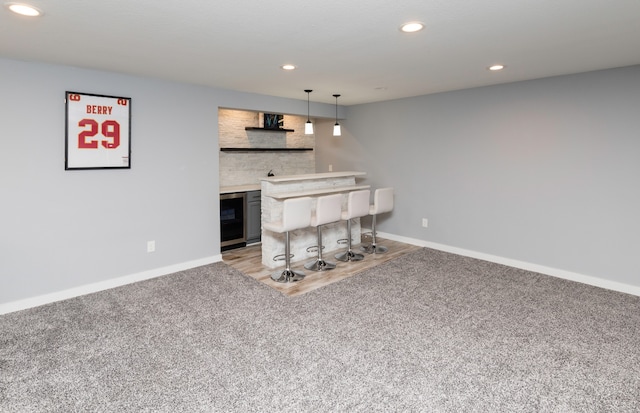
{"type": "Point", "coordinates": [351, 47]}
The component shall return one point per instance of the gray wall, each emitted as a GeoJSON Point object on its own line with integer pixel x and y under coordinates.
{"type": "Point", "coordinates": [63, 229]}
{"type": "Point", "coordinates": [544, 171]}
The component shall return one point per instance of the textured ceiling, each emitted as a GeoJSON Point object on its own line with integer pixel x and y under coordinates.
{"type": "Point", "coordinates": [351, 47]}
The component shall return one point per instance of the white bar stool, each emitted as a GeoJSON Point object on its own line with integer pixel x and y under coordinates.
{"type": "Point", "coordinates": [357, 206]}
{"type": "Point", "coordinates": [328, 210]}
{"type": "Point", "coordinates": [382, 202]}
{"type": "Point", "coordinates": [296, 214]}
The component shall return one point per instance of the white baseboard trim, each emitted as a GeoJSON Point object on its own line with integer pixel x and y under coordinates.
{"type": "Point", "coordinates": [145, 275]}
{"type": "Point", "coordinates": [103, 285]}
{"type": "Point", "coordinates": [554, 272]}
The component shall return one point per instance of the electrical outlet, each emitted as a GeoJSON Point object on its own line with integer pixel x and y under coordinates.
{"type": "Point", "coordinates": [330, 168]}
{"type": "Point", "coordinates": [151, 246]}
{"type": "Point", "coordinates": [425, 222]}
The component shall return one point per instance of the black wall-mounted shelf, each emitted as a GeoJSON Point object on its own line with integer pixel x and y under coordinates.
{"type": "Point", "coordinates": [267, 129]}
{"type": "Point", "coordinates": [264, 149]}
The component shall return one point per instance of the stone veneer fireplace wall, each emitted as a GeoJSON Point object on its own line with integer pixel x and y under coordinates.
{"type": "Point", "coordinates": [246, 168]}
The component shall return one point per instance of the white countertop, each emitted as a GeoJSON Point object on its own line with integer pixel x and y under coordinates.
{"type": "Point", "coordinates": [318, 192]}
{"type": "Point", "coordinates": [239, 188]}
{"type": "Point", "coordinates": [309, 177]}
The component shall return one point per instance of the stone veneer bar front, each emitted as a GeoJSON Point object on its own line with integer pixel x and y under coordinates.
{"type": "Point", "coordinates": [278, 188]}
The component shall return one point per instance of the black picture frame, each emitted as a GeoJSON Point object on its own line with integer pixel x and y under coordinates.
{"type": "Point", "coordinates": [273, 121]}
{"type": "Point", "coordinates": [97, 131]}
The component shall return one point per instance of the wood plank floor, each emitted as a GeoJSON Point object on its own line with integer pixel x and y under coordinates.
{"type": "Point", "coordinates": [248, 260]}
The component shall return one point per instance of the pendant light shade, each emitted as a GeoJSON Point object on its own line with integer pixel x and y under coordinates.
{"type": "Point", "coordinates": [308, 126]}
{"type": "Point", "coordinates": [336, 127]}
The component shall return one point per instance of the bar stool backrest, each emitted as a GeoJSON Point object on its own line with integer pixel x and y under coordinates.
{"type": "Point", "coordinates": [296, 213]}
{"type": "Point", "coordinates": [357, 204]}
{"type": "Point", "coordinates": [382, 201]}
{"type": "Point", "coordinates": [328, 210]}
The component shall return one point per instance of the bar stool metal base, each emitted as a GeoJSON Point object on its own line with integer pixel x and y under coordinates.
{"type": "Point", "coordinates": [374, 249]}
{"type": "Point", "coordinates": [382, 202]}
{"type": "Point", "coordinates": [288, 275]}
{"type": "Point", "coordinates": [319, 265]}
{"type": "Point", "coordinates": [349, 256]}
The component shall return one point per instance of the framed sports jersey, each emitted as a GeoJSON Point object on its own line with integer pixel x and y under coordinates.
{"type": "Point", "coordinates": [98, 131]}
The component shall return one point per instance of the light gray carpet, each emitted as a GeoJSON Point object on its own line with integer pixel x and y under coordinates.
{"type": "Point", "coordinates": [430, 332]}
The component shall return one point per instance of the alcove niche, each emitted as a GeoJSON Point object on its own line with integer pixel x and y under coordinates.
{"type": "Point", "coordinates": [248, 153]}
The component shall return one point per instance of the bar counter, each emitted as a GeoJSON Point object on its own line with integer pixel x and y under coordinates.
{"type": "Point", "coordinates": [276, 189]}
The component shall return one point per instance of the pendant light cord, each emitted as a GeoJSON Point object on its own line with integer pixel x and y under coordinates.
{"type": "Point", "coordinates": [308, 92]}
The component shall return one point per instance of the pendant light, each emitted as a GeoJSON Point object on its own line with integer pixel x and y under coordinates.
{"type": "Point", "coordinates": [308, 127]}
{"type": "Point", "coordinates": [336, 127]}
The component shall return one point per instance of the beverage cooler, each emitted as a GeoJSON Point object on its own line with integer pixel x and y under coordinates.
{"type": "Point", "coordinates": [233, 231]}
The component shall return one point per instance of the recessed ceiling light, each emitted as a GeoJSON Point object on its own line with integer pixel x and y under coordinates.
{"type": "Point", "coordinates": [288, 67]}
{"type": "Point", "coordinates": [495, 68]}
{"type": "Point", "coordinates": [23, 9]}
{"type": "Point", "coordinates": [412, 27]}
